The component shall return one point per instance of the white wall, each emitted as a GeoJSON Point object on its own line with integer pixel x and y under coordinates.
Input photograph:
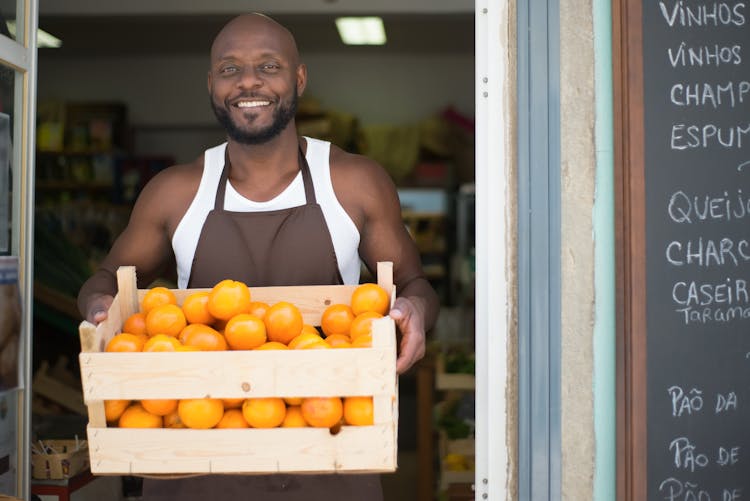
{"type": "Point", "coordinates": [169, 93]}
{"type": "Point", "coordinates": [393, 89]}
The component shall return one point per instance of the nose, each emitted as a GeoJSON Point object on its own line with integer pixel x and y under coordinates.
{"type": "Point", "coordinates": [249, 78]}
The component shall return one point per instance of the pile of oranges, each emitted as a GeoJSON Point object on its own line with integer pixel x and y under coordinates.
{"type": "Point", "coordinates": [225, 318]}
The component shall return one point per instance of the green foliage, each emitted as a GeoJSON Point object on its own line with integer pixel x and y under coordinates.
{"type": "Point", "coordinates": [459, 362]}
{"type": "Point", "coordinates": [454, 421]}
{"type": "Point", "coordinates": [57, 262]}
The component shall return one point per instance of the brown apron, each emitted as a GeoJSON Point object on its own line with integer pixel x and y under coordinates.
{"type": "Point", "coordinates": [282, 247]}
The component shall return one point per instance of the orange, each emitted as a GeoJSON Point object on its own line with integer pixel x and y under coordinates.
{"type": "Point", "coordinates": [339, 341]}
{"type": "Point", "coordinates": [113, 409]}
{"type": "Point", "coordinates": [293, 418]}
{"type": "Point", "coordinates": [160, 407]}
{"type": "Point", "coordinates": [264, 412]}
{"type": "Point", "coordinates": [317, 345]}
{"type": "Point", "coordinates": [165, 319]}
{"type": "Point", "coordinates": [233, 418]}
{"type": "Point", "coordinates": [203, 337]}
{"type": "Point", "coordinates": [245, 332]}
{"type": "Point", "coordinates": [336, 319]}
{"type": "Point", "coordinates": [304, 339]}
{"type": "Point", "coordinates": [272, 345]}
{"type": "Point", "coordinates": [283, 322]}
{"type": "Point", "coordinates": [363, 341]}
{"type": "Point", "coordinates": [362, 324]}
{"type": "Point", "coordinates": [162, 342]}
{"type": "Point", "coordinates": [258, 308]}
{"type": "Point", "coordinates": [228, 298]}
{"type": "Point", "coordinates": [293, 400]}
{"type": "Point", "coordinates": [370, 297]}
{"type": "Point", "coordinates": [195, 308]}
{"type": "Point", "coordinates": [187, 348]}
{"type": "Point", "coordinates": [135, 324]}
{"type": "Point", "coordinates": [358, 411]}
{"type": "Point", "coordinates": [322, 412]}
{"type": "Point", "coordinates": [200, 413]}
{"type": "Point", "coordinates": [232, 403]}
{"type": "Point", "coordinates": [172, 420]}
{"type": "Point", "coordinates": [342, 344]}
{"type": "Point", "coordinates": [124, 342]}
{"type": "Point", "coordinates": [310, 328]}
{"type": "Point", "coordinates": [136, 416]}
{"type": "Point", "coordinates": [192, 329]}
{"type": "Point", "coordinates": [157, 296]}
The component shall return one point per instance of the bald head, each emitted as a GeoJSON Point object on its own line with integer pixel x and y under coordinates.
{"type": "Point", "coordinates": [256, 31]}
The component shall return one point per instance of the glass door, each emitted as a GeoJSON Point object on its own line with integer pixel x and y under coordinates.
{"type": "Point", "coordinates": [18, 25]}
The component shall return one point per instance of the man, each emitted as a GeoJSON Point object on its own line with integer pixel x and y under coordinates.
{"type": "Point", "coordinates": [268, 208]}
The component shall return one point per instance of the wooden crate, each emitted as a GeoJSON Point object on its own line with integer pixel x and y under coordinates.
{"type": "Point", "coordinates": [61, 459]}
{"type": "Point", "coordinates": [451, 381]}
{"type": "Point", "coordinates": [464, 447]}
{"type": "Point", "coordinates": [246, 374]}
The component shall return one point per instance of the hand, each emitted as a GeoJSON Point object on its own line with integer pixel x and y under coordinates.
{"type": "Point", "coordinates": [409, 318]}
{"type": "Point", "coordinates": [98, 305]}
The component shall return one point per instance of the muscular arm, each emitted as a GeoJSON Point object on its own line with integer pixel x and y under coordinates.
{"type": "Point", "coordinates": [369, 196]}
{"type": "Point", "coordinates": [145, 242]}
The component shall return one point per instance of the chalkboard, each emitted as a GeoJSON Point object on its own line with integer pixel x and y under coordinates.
{"type": "Point", "coordinates": [695, 183]}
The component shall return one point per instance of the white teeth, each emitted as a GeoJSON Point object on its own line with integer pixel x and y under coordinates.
{"type": "Point", "coordinates": [252, 104]}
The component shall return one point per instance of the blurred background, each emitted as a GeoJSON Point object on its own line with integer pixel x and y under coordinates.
{"type": "Point", "coordinates": [123, 95]}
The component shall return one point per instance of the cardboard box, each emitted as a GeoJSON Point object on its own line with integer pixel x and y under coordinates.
{"type": "Point", "coordinates": [61, 459]}
{"type": "Point", "coordinates": [245, 374]}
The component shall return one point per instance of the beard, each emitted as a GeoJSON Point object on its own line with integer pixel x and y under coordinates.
{"type": "Point", "coordinates": [281, 118]}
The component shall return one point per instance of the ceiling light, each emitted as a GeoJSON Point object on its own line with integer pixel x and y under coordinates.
{"type": "Point", "coordinates": [43, 39]}
{"type": "Point", "coordinates": [361, 30]}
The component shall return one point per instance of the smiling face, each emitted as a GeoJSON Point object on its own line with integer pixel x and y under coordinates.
{"type": "Point", "coordinates": [255, 79]}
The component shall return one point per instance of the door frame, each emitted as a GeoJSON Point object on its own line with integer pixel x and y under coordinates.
{"type": "Point", "coordinates": [21, 55]}
{"type": "Point", "coordinates": [494, 89]}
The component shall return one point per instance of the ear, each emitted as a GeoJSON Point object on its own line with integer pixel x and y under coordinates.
{"type": "Point", "coordinates": [301, 78]}
{"type": "Point", "coordinates": [209, 82]}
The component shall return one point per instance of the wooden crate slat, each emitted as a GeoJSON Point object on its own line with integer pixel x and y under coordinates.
{"type": "Point", "coordinates": [97, 416]}
{"type": "Point", "coordinates": [235, 374]}
{"type": "Point", "coordinates": [127, 291]}
{"type": "Point", "coordinates": [385, 280]}
{"type": "Point", "coordinates": [95, 338]}
{"type": "Point", "coordinates": [311, 450]}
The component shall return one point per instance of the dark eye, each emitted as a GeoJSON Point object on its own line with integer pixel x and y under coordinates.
{"type": "Point", "coordinates": [229, 69]}
{"type": "Point", "coordinates": [270, 67]}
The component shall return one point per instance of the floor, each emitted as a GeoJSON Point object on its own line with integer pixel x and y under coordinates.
{"type": "Point", "coordinates": [398, 486]}
{"type": "Point", "coordinates": [402, 485]}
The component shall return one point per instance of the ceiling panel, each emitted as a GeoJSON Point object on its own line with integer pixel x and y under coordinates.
{"type": "Point", "coordinates": [162, 7]}
{"type": "Point", "coordinates": [174, 34]}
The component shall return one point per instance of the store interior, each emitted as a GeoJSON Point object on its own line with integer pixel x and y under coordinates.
{"type": "Point", "coordinates": [125, 97]}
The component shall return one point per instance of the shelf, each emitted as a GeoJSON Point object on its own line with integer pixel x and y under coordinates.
{"type": "Point", "coordinates": [463, 446]}
{"type": "Point", "coordinates": [434, 271]}
{"type": "Point", "coordinates": [454, 382]}
{"type": "Point", "coordinates": [74, 185]}
{"type": "Point", "coordinates": [74, 153]}
{"type": "Point", "coordinates": [448, 477]}
{"type": "Point", "coordinates": [58, 301]}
